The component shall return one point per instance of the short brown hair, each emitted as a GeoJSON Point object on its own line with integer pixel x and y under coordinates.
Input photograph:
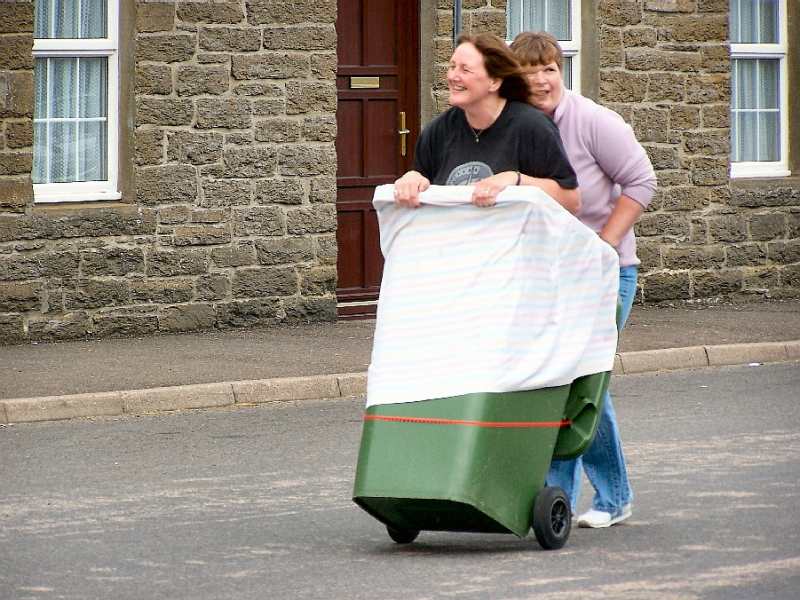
{"type": "Point", "coordinates": [500, 63]}
{"type": "Point", "coordinates": [539, 48]}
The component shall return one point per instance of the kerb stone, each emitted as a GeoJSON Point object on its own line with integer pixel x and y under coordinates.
{"type": "Point", "coordinates": [737, 354]}
{"type": "Point", "coordinates": [289, 388]}
{"type": "Point", "coordinates": [663, 360]}
{"type": "Point", "coordinates": [352, 384]}
{"type": "Point", "coordinates": [52, 408]}
{"type": "Point", "coordinates": [177, 398]}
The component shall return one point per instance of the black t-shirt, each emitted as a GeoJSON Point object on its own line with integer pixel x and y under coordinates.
{"type": "Point", "coordinates": [521, 139]}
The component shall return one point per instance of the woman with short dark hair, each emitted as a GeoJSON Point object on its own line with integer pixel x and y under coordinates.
{"type": "Point", "coordinates": [618, 183]}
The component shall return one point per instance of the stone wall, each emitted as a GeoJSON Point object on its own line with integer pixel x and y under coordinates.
{"type": "Point", "coordinates": [229, 218]}
{"type": "Point", "coordinates": [16, 157]}
{"type": "Point", "coordinates": [228, 211]}
{"type": "Point", "coordinates": [665, 67]}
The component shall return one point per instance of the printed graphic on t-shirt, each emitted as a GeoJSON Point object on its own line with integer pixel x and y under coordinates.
{"type": "Point", "coordinates": [469, 173]}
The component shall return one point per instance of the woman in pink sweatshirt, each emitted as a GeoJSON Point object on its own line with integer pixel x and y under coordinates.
{"type": "Point", "coordinates": [617, 183]}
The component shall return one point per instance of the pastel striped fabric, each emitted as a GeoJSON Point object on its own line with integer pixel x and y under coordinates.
{"type": "Point", "coordinates": [519, 296]}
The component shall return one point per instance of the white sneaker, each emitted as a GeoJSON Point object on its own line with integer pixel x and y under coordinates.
{"type": "Point", "coordinates": [597, 519]}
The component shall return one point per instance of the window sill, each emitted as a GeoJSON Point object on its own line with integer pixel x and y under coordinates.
{"type": "Point", "coordinates": [76, 197]}
{"type": "Point", "coordinates": [752, 183]}
{"type": "Point", "coordinates": [756, 170]}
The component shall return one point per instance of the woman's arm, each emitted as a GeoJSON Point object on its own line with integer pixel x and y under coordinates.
{"type": "Point", "coordinates": [408, 188]}
{"type": "Point", "coordinates": [622, 158]}
{"type": "Point", "coordinates": [626, 212]}
{"type": "Point", "coordinates": [568, 198]}
{"type": "Point", "coordinates": [486, 191]}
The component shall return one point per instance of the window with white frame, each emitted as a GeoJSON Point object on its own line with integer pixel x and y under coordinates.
{"type": "Point", "coordinates": [75, 107]}
{"type": "Point", "coordinates": [560, 18]}
{"type": "Point", "coordinates": [759, 88]}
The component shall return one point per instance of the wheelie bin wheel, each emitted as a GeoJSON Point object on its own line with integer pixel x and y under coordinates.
{"type": "Point", "coordinates": [402, 536]}
{"type": "Point", "coordinates": [552, 518]}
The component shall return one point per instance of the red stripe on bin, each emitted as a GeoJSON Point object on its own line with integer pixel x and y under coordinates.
{"type": "Point", "coordinates": [497, 424]}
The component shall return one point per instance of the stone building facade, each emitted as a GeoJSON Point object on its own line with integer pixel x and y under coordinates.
{"type": "Point", "coordinates": [664, 65]}
{"type": "Point", "coordinates": [227, 162]}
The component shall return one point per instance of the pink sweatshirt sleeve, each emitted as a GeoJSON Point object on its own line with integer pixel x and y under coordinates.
{"type": "Point", "coordinates": [621, 157]}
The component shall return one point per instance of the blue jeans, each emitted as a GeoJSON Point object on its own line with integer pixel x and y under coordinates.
{"type": "Point", "coordinates": [603, 462]}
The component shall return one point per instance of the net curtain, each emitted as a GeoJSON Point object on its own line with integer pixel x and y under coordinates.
{"type": "Point", "coordinates": [70, 115]}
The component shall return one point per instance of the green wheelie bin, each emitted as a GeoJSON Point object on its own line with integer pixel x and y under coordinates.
{"type": "Point", "coordinates": [477, 462]}
{"type": "Point", "coordinates": [473, 303]}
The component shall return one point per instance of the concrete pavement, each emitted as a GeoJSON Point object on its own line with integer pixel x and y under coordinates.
{"type": "Point", "coordinates": [213, 369]}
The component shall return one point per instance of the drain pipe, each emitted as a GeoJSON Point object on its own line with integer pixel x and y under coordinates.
{"type": "Point", "coordinates": [456, 21]}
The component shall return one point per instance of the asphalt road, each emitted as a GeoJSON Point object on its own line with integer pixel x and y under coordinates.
{"type": "Point", "coordinates": [254, 503]}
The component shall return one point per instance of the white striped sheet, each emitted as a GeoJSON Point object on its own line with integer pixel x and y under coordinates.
{"type": "Point", "coordinates": [466, 252]}
{"type": "Point", "coordinates": [519, 323]}
{"type": "Point", "coordinates": [522, 325]}
{"type": "Point", "coordinates": [511, 346]}
{"type": "Point", "coordinates": [478, 303]}
{"type": "Point", "coordinates": [507, 374]}
{"type": "Point", "coordinates": [521, 296]}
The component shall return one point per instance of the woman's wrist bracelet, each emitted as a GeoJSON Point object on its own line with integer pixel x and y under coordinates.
{"type": "Point", "coordinates": [519, 178]}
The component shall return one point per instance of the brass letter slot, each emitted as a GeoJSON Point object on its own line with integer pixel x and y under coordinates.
{"type": "Point", "coordinates": [364, 83]}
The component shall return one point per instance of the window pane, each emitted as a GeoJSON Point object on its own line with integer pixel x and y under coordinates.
{"type": "Point", "coordinates": [746, 135]}
{"type": "Point", "coordinates": [768, 89]}
{"type": "Point", "coordinates": [535, 15]}
{"type": "Point", "coordinates": [62, 149]}
{"type": "Point", "coordinates": [40, 79]}
{"type": "Point", "coordinates": [93, 88]}
{"type": "Point", "coordinates": [513, 19]}
{"type": "Point", "coordinates": [745, 83]}
{"type": "Point", "coordinates": [61, 89]}
{"type": "Point", "coordinates": [558, 19]}
{"type": "Point", "coordinates": [755, 110]}
{"type": "Point", "coordinates": [755, 83]}
{"type": "Point", "coordinates": [71, 120]}
{"type": "Point", "coordinates": [65, 19]}
{"type": "Point", "coordinates": [40, 143]}
{"type": "Point", "coordinates": [70, 19]}
{"type": "Point", "coordinates": [92, 143]}
{"type": "Point", "coordinates": [93, 19]}
{"type": "Point", "coordinates": [41, 19]}
{"type": "Point", "coordinates": [552, 16]}
{"type": "Point", "coordinates": [754, 21]}
{"type": "Point", "coordinates": [768, 136]}
{"type": "Point", "coordinates": [566, 72]}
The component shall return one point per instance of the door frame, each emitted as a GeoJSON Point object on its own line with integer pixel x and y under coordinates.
{"type": "Point", "coordinates": [424, 12]}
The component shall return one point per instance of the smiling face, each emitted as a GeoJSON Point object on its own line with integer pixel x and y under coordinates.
{"type": "Point", "coordinates": [546, 86]}
{"type": "Point", "coordinates": [467, 79]}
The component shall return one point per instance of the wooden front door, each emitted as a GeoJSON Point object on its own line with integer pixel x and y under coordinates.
{"type": "Point", "coordinates": [377, 81]}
